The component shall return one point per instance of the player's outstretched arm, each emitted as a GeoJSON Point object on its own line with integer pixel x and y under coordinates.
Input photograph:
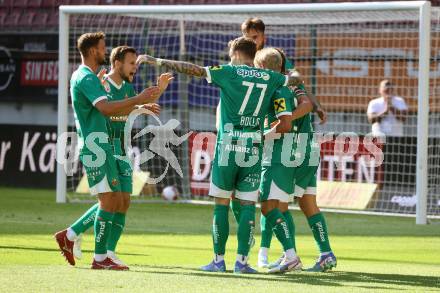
{"type": "Point", "coordinates": [178, 66]}
{"type": "Point", "coordinates": [125, 106]}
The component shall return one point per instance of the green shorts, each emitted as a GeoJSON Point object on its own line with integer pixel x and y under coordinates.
{"type": "Point", "coordinates": [227, 176]}
{"type": "Point", "coordinates": [125, 171]}
{"type": "Point", "coordinates": [277, 182]}
{"type": "Point", "coordinates": [305, 180]}
{"type": "Point", "coordinates": [103, 178]}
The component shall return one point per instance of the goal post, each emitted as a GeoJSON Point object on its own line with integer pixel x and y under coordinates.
{"type": "Point", "coordinates": [63, 96]}
{"type": "Point", "coordinates": [348, 73]}
{"type": "Point", "coordinates": [423, 113]}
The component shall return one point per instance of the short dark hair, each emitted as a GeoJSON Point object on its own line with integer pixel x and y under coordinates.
{"type": "Point", "coordinates": [118, 53]}
{"type": "Point", "coordinates": [89, 40]}
{"type": "Point", "coordinates": [253, 23]}
{"type": "Point", "coordinates": [244, 45]}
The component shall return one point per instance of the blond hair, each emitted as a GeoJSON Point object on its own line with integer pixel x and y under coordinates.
{"type": "Point", "coordinates": [270, 57]}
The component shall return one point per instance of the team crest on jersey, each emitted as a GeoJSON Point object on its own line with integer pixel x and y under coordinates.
{"type": "Point", "coordinates": [106, 86]}
{"type": "Point", "coordinates": [280, 105]}
{"type": "Point", "coordinates": [114, 182]}
{"type": "Point", "coordinates": [215, 67]}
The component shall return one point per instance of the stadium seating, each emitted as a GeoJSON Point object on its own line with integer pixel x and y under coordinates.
{"type": "Point", "coordinates": [43, 14]}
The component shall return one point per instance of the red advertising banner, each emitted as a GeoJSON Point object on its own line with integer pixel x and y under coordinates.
{"type": "Point", "coordinates": [343, 159]}
{"type": "Point", "coordinates": [39, 72]}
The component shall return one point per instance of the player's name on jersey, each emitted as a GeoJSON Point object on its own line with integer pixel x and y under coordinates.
{"type": "Point", "coordinates": [119, 118]}
{"type": "Point", "coordinates": [249, 121]}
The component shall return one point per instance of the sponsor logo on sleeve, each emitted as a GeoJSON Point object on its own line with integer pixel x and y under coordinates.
{"type": "Point", "coordinates": [280, 105]}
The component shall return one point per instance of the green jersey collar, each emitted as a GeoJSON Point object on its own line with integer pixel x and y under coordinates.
{"type": "Point", "coordinates": [107, 77]}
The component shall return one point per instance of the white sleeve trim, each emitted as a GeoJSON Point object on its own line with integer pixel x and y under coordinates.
{"type": "Point", "coordinates": [286, 82]}
{"type": "Point", "coordinates": [208, 75]}
{"type": "Point", "coordinates": [99, 99]}
{"type": "Point", "coordinates": [284, 113]}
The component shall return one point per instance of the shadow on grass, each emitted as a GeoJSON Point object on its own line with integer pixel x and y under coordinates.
{"type": "Point", "coordinates": [335, 278]}
{"type": "Point", "coordinates": [57, 250]}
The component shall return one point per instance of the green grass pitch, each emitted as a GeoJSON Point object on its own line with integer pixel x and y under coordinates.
{"type": "Point", "coordinates": [165, 244]}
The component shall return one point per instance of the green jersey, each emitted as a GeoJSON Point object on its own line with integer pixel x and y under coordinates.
{"type": "Point", "coordinates": [288, 65]}
{"type": "Point", "coordinates": [246, 95]}
{"type": "Point", "coordinates": [117, 92]}
{"type": "Point", "coordinates": [305, 145]}
{"type": "Point", "coordinates": [284, 103]}
{"type": "Point", "coordinates": [86, 90]}
{"type": "Point", "coordinates": [301, 88]}
{"type": "Point", "coordinates": [300, 135]}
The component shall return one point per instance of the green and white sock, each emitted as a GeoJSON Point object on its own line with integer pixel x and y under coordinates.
{"type": "Point", "coordinates": [266, 232]}
{"type": "Point", "coordinates": [103, 226]}
{"type": "Point", "coordinates": [86, 221]}
{"type": "Point", "coordinates": [320, 233]}
{"type": "Point", "coordinates": [276, 220]}
{"type": "Point", "coordinates": [289, 221]}
{"type": "Point", "coordinates": [118, 224]}
{"type": "Point", "coordinates": [220, 228]}
{"type": "Point", "coordinates": [236, 207]}
{"type": "Point", "coordinates": [246, 228]}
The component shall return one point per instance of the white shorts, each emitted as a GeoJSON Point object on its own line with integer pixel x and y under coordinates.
{"type": "Point", "coordinates": [215, 191]}
{"type": "Point", "coordinates": [101, 187]}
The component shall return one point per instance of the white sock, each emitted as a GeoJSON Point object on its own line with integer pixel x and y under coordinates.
{"type": "Point", "coordinates": [264, 251]}
{"type": "Point", "coordinates": [218, 257]}
{"type": "Point", "coordinates": [290, 253]}
{"type": "Point", "coordinates": [71, 235]}
{"type": "Point", "coordinates": [109, 252]}
{"type": "Point", "coordinates": [100, 257]}
{"type": "Point", "coordinates": [242, 259]}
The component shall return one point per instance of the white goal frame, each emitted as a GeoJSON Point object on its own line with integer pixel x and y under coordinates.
{"type": "Point", "coordinates": [423, 7]}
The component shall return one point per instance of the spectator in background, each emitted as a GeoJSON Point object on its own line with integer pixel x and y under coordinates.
{"type": "Point", "coordinates": [388, 112]}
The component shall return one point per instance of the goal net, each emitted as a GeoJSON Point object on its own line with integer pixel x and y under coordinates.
{"type": "Point", "coordinates": [343, 51]}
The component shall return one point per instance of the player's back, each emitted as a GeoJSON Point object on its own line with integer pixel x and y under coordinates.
{"type": "Point", "coordinates": [86, 90]}
{"type": "Point", "coordinates": [245, 97]}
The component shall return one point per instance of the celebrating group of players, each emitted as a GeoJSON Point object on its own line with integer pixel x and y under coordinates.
{"type": "Point", "coordinates": [263, 108]}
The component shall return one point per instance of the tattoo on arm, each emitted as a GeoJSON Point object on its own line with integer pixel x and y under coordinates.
{"type": "Point", "coordinates": [293, 80]}
{"type": "Point", "coordinates": [184, 67]}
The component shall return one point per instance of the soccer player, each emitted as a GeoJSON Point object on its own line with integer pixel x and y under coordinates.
{"type": "Point", "coordinates": [254, 28]}
{"type": "Point", "coordinates": [278, 178]}
{"type": "Point", "coordinates": [118, 85]}
{"type": "Point", "coordinates": [245, 99]}
{"type": "Point", "coordinates": [91, 106]}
